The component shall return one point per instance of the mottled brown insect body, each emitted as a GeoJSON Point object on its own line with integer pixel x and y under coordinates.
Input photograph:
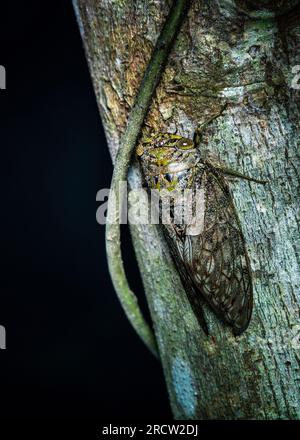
{"type": "Point", "coordinates": [210, 254]}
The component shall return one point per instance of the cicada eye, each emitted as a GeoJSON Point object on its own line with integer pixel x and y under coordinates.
{"type": "Point", "coordinates": [185, 144]}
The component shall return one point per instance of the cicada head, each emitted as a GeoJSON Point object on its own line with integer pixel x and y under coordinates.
{"type": "Point", "coordinates": [168, 161]}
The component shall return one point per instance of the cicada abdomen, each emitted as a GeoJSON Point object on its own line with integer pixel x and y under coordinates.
{"type": "Point", "coordinates": [209, 251]}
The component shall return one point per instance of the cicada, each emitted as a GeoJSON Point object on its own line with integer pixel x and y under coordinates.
{"type": "Point", "coordinates": [210, 254]}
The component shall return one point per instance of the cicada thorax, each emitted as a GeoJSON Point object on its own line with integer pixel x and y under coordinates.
{"type": "Point", "coordinates": [168, 161]}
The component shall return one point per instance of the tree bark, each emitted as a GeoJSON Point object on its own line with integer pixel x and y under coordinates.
{"type": "Point", "coordinates": [233, 54]}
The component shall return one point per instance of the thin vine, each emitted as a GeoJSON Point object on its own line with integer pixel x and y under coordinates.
{"type": "Point", "coordinates": [129, 139]}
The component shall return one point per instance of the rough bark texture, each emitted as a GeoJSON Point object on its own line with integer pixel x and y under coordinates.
{"type": "Point", "coordinates": [228, 52]}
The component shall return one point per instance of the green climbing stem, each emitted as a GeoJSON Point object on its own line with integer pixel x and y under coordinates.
{"type": "Point", "coordinates": [129, 139]}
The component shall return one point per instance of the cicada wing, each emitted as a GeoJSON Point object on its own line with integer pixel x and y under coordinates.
{"type": "Point", "coordinates": [176, 247]}
{"type": "Point", "coordinates": [216, 259]}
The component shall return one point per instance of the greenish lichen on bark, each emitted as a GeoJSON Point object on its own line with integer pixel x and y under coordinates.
{"type": "Point", "coordinates": [225, 54]}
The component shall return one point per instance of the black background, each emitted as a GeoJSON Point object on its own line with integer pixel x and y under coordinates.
{"type": "Point", "coordinates": [70, 351]}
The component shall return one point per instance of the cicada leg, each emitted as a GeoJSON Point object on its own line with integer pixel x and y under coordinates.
{"type": "Point", "coordinates": [200, 129]}
{"type": "Point", "coordinates": [229, 172]}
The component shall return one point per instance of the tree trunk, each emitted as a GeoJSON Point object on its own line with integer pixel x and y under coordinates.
{"type": "Point", "coordinates": [227, 53]}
